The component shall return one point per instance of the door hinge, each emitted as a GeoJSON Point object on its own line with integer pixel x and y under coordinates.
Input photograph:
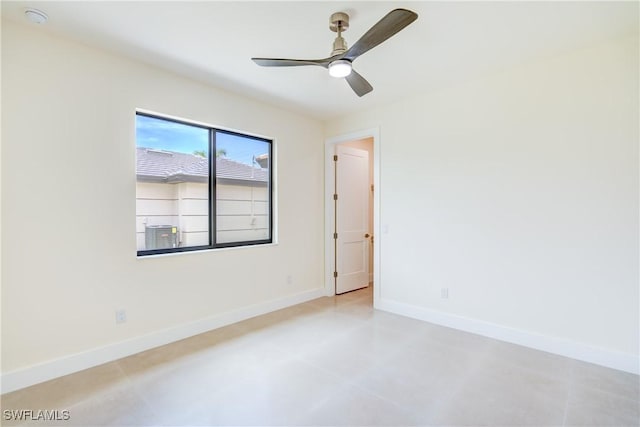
{"type": "Point", "coordinates": [371, 187]}
{"type": "Point", "coordinates": [335, 274]}
{"type": "Point", "coordinates": [335, 157]}
{"type": "Point", "coordinates": [335, 197]}
{"type": "Point", "coordinates": [335, 235]}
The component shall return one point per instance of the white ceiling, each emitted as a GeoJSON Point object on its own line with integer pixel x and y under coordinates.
{"type": "Point", "coordinates": [213, 41]}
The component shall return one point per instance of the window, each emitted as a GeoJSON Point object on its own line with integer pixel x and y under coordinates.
{"type": "Point", "coordinates": [198, 187]}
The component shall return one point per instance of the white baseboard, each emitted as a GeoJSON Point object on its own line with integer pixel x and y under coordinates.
{"type": "Point", "coordinates": [575, 350]}
{"type": "Point", "coordinates": [26, 377]}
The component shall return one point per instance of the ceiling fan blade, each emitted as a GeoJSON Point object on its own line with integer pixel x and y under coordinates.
{"type": "Point", "coordinates": [388, 26]}
{"type": "Point", "coordinates": [358, 83]}
{"type": "Point", "coordinates": [277, 62]}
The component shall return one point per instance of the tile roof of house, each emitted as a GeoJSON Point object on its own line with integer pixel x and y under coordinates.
{"type": "Point", "coordinates": [171, 166]}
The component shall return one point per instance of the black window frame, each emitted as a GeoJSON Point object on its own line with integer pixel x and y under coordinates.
{"type": "Point", "coordinates": [213, 131]}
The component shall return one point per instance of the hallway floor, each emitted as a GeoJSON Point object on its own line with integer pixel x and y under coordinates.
{"type": "Point", "coordinates": [336, 361]}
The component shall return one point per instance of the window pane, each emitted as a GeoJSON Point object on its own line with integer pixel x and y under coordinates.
{"type": "Point", "coordinates": [243, 193]}
{"type": "Point", "coordinates": [172, 184]}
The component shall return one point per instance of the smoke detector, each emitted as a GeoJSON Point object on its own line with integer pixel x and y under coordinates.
{"type": "Point", "coordinates": [36, 16]}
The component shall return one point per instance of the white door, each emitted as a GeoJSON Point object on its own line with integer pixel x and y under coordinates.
{"type": "Point", "coordinates": [352, 219]}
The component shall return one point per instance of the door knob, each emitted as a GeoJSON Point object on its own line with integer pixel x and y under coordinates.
{"type": "Point", "coordinates": [366, 236]}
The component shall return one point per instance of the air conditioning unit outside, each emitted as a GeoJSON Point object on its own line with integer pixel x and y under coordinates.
{"type": "Point", "coordinates": [160, 237]}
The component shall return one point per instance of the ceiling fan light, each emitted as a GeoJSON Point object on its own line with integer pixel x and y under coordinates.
{"type": "Point", "coordinates": [340, 68]}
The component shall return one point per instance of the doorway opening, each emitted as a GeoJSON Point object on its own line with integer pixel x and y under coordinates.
{"type": "Point", "coordinates": [351, 214]}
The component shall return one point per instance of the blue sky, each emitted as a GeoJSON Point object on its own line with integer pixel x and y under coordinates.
{"type": "Point", "coordinates": [172, 136]}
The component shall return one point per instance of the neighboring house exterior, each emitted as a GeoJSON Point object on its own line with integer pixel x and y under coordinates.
{"type": "Point", "coordinates": [172, 188]}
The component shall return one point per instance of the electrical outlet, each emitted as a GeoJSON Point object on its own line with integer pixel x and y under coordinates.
{"type": "Point", "coordinates": [121, 316]}
{"type": "Point", "coordinates": [444, 293]}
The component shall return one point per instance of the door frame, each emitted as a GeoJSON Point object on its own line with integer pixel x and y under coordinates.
{"type": "Point", "coordinates": [329, 221]}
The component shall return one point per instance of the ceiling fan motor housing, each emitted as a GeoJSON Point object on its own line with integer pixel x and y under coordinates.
{"type": "Point", "coordinates": [339, 46]}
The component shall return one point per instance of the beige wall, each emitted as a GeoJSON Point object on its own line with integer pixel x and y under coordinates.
{"type": "Point", "coordinates": [517, 191]}
{"type": "Point", "coordinates": [156, 204]}
{"type": "Point", "coordinates": [242, 211]}
{"type": "Point", "coordinates": [69, 204]}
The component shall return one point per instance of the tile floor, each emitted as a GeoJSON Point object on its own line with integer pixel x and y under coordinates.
{"type": "Point", "coordinates": [336, 361]}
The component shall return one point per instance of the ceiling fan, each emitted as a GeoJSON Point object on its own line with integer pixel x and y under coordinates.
{"type": "Point", "coordinates": [340, 62]}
